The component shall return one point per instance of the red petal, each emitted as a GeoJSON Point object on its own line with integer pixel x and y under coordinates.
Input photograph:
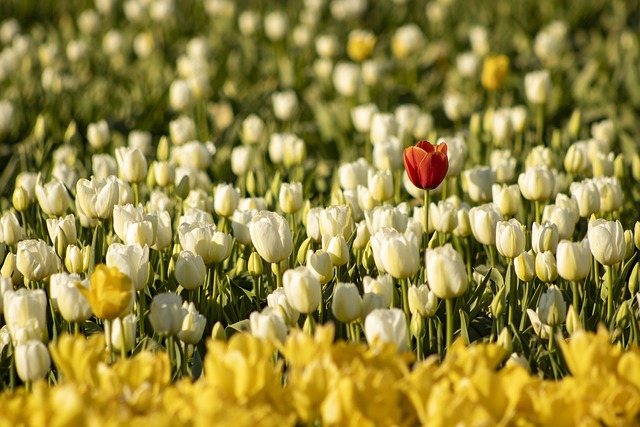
{"type": "Point", "coordinates": [433, 169]}
{"type": "Point", "coordinates": [426, 146]}
{"type": "Point", "coordinates": [442, 147]}
{"type": "Point", "coordinates": [413, 157]}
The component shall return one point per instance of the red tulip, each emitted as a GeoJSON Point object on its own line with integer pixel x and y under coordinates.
{"type": "Point", "coordinates": [426, 164]}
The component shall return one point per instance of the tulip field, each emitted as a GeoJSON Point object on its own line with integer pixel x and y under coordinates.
{"type": "Point", "coordinates": [319, 212]}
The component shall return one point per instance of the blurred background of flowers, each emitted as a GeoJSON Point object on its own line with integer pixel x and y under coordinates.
{"type": "Point", "coordinates": [188, 181]}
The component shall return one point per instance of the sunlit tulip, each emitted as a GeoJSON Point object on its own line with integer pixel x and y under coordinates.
{"type": "Point", "coordinates": [610, 191]}
{"type": "Point", "coordinates": [131, 260]}
{"type": "Point", "coordinates": [240, 224]}
{"type": "Point", "coordinates": [278, 300]}
{"type": "Point", "coordinates": [506, 198]}
{"type": "Point", "coordinates": [346, 78]}
{"type": "Point", "coordinates": [380, 185]}
{"type": "Point", "coordinates": [166, 315]}
{"type": "Point", "coordinates": [426, 164]}
{"type": "Point", "coordinates": [510, 238]}
{"type": "Point", "coordinates": [285, 104]}
{"type": "Point", "coordinates": [503, 165]}
{"type": "Point", "coordinates": [32, 360]}
{"type": "Point", "coordinates": [35, 259]}
{"type": "Point", "coordinates": [537, 85]}
{"type": "Point", "coordinates": [226, 199]}
{"type": "Point", "coordinates": [387, 154]}
{"type": "Point", "coordinates": [552, 308]}
{"type": "Point", "coordinates": [189, 270]}
{"type": "Point", "coordinates": [303, 289]}
{"type": "Point", "coordinates": [362, 116]}
{"type": "Point", "coordinates": [110, 294]}
{"type": "Point", "coordinates": [10, 230]}
{"type": "Point", "coordinates": [383, 127]}
{"type": "Point", "coordinates": [587, 196]}
{"type": "Point", "coordinates": [407, 40]}
{"type": "Point", "coordinates": [193, 324]}
{"type": "Point", "coordinates": [336, 220]}
{"type": "Point", "coordinates": [271, 236]}
{"type": "Point", "coordinates": [53, 197]}
{"type": "Point", "coordinates": [562, 218]}
{"type": "Point", "coordinates": [290, 197]}
{"type": "Point", "coordinates": [242, 160]}
{"type": "Point", "coordinates": [446, 273]}
{"type": "Point", "coordinates": [395, 253]}
{"type": "Point", "coordinates": [606, 241]}
{"type": "Point", "coordinates": [494, 71]}
{"type": "Point", "coordinates": [382, 285]}
{"type": "Point", "coordinates": [346, 304]}
{"type": "Point", "coordinates": [253, 129]}
{"type": "Point", "coordinates": [25, 312]}
{"type": "Point", "coordinates": [422, 301]}
{"type": "Point", "coordinates": [132, 164]}
{"type": "Point", "coordinates": [524, 266]}
{"type": "Point", "coordinates": [388, 326]}
{"type": "Point", "coordinates": [546, 268]}
{"type": "Point", "coordinates": [122, 332]}
{"type": "Point", "coordinates": [337, 249]}
{"type": "Point", "coordinates": [570, 203]}
{"type": "Point", "coordinates": [276, 25]}
{"type": "Point", "coordinates": [444, 216]}
{"type": "Point", "coordinates": [477, 182]}
{"type": "Point", "coordinates": [268, 325]}
{"type": "Point", "coordinates": [72, 305]}
{"type": "Point", "coordinates": [536, 183]}
{"type": "Point", "coordinates": [544, 237]}
{"type": "Point", "coordinates": [98, 134]}
{"type": "Point", "coordinates": [203, 239]}
{"type": "Point", "coordinates": [95, 199]}
{"type": "Point", "coordinates": [483, 220]}
{"type": "Point", "coordinates": [573, 260]}
{"type": "Point", "coordinates": [192, 154]}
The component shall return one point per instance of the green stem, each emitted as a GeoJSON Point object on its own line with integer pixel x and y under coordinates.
{"type": "Point", "coordinates": [450, 315]}
{"type": "Point", "coordinates": [512, 290]}
{"type": "Point", "coordinates": [539, 123]}
{"type": "Point", "coordinates": [609, 269]}
{"type": "Point", "coordinates": [404, 286]}
{"type": "Point", "coordinates": [576, 297]}
{"type": "Point", "coordinates": [142, 306]}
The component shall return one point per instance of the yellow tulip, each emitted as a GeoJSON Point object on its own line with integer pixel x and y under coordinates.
{"type": "Point", "coordinates": [110, 294]}
{"type": "Point", "coordinates": [494, 71]}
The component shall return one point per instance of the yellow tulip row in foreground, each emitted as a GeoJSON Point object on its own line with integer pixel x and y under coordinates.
{"type": "Point", "coordinates": [312, 379]}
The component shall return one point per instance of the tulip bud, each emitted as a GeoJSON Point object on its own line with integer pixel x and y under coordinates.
{"type": "Point", "coordinates": [162, 153]}
{"type": "Point", "coordinates": [635, 166]}
{"type": "Point", "coordinates": [347, 303]}
{"type": "Point", "coordinates": [226, 199]}
{"type": "Point", "coordinates": [510, 238]}
{"type": "Point", "coordinates": [241, 266]}
{"type": "Point", "coordinates": [123, 332]}
{"type": "Point", "coordinates": [290, 197]}
{"type": "Point", "coordinates": [32, 360]}
{"type": "Point", "coordinates": [20, 199]}
{"type": "Point", "coordinates": [552, 308]}
{"type": "Point", "coordinates": [574, 123]}
{"type": "Point", "coordinates": [636, 235]}
{"type": "Point", "coordinates": [381, 185]}
{"type": "Point", "coordinates": [606, 240]}
{"type": "Point", "coordinates": [619, 167]}
{"type": "Point", "coordinates": [302, 289]}
{"type": "Point", "coordinates": [183, 188]}
{"type": "Point", "coordinates": [499, 303]}
{"type": "Point", "coordinates": [337, 249]}
{"type": "Point", "coordinates": [166, 315]}
{"type": "Point", "coordinates": [624, 315]}
{"type": "Point", "coordinates": [320, 264]}
{"type": "Point", "coordinates": [546, 269]}
{"type": "Point", "coordinates": [193, 324]}
{"type": "Point", "coordinates": [217, 332]}
{"type": "Point", "coordinates": [255, 264]}
{"type": "Point", "coordinates": [634, 280]}
{"type": "Point", "coordinates": [524, 265]}
{"type": "Point", "coordinates": [505, 341]}
{"type": "Point", "coordinates": [573, 320]}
